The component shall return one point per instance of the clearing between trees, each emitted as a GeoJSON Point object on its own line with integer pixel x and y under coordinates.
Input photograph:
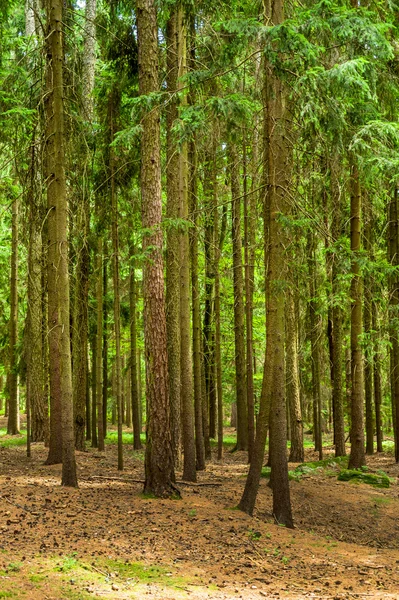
{"type": "Point", "coordinates": [106, 540]}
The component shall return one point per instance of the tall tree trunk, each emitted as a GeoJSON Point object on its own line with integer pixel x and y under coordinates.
{"type": "Point", "coordinates": [249, 249]}
{"type": "Point", "coordinates": [173, 239]}
{"type": "Point", "coordinates": [279, 164]}
{"type": "Point", "coordinates": [133, 359]}
{"type": "Point", "coordinates": [239, 327]}
{"type": "Point", "coordinates": [159, 471]}
{"type": "Point", "coordinates": [293, 387]}
{"type": "Point", "coordinates": [94, 371]}
{"type": "Point", "coordinates": [393, 257]}
{"type": "Point", "coordinates": [209, 186]}
{"type": "Point", "coordinates": [377, 375]}
{"type": "Point", "coordinates": [276, 160]}
{"type": "Point", "coordinates": [115, 278]}
{"type": "Point", "coordinates": [357, 456]}
{"type": "Point", "coordinates": [13, 402]}
{"type": "Point", "coordinates": [80, 328]}
{"type": "Point", "coordinates": [58, 277]}
{"type": "Point", "coordinates": [218, 335]}
{"type": "Point", "coordinates": [195, 295]}
{"type": "Point", "coordinates": [367, 317]}
{"type": "Point", "coordinates": [35, 376]}
{"type": "Point", "coordinates": [105, 340]}
{"type": "Point", "coordinates": [99, 340]}
{"type": "Point", "coordinates": [337, 354]}
{"type": "Point", "coordinates": [315, 347]}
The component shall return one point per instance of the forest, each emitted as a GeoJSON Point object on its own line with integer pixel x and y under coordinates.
{"type": "Point", "coordinates": [199, 299]}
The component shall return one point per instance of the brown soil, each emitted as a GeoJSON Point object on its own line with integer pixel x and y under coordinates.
{"type": "Point", "coordinates": [345, 545]}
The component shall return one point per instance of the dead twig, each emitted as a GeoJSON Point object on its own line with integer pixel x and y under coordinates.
{"type": "Point", "coordinates": [15, 505]}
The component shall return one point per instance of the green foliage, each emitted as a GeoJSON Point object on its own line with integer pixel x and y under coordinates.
{"type": "Point", "coordinates": [379, 479]}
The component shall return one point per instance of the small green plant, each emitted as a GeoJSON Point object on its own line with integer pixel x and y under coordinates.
{"type": "Point", "coordinates": [68, 563]}
{"type": "Point", "coordinates": [192, 513]}
{"type": "Point", "coordinates": [14, 567]}
{"type": "Point", "coordinates": [285, 560]}
{"type": "Point", "coordinates": [254, 535]}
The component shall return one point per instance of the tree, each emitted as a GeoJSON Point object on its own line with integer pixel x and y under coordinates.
{"type": "Point", "coordinates": [159, 471]}
{"type": "Point", "coordinates": [58, 277]}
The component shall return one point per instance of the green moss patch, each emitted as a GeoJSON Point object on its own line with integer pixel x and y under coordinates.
{"type": "Point", "coordinates": [379, 479]}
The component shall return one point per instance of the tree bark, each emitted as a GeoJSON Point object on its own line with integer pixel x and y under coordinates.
{"type": "Point", "coordinates": [239, 327]}
{"type": "Point", "coordinates": [293, 387]}
{"type": "Point", "coordinates": [173, 239]}
{"type": "Point", "coordinates": [133, 359]}
{"type": "Point", "coordinates": [357, 456]}
{"type": "Point", "coordinates": [337, 354]}
{"type": "Point", "coordinates": [13, 402]}
{"type": "Point", "coordinates": [159, 471]}
{"type": "Point", "coordinates": [377, 376]}
{"type": "Point", "coordinates": [80, 321]}
{"type": "Point", "coordinates": [58, 277]}
{"type": "Point", "coordinates": [367, 317]}
{"type": "Point", "coordinates": [393, 257]}
{"type": "Point", "coordinates": [315, 347]}
{"type": "Point", "coordinates": [99, 343]}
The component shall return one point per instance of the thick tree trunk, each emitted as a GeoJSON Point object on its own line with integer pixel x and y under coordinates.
{"type": "Point", "coordinates": [276, 160]}
{"type": "Point", "coordinates": [186, 367]}
{"type": "Point", "coordinates": [159, 471]}
{"type": "Point", "coordinates": [58, 277]}
{"type": "Point", "coordinates": [357, 456]}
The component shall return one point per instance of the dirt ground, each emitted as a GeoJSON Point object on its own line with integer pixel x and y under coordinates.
{"type": "Point", "coordinates": [105, 540]}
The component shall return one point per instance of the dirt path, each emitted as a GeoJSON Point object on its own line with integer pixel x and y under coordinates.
{"type": "Point", "coordinates": [107, 540]}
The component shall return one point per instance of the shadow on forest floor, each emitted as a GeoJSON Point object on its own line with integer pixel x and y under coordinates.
{"type": "Point", "coordinates": [106, 540]}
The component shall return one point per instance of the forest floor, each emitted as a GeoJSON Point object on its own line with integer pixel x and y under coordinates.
{"type": "Point", "coordinates": [106, 540]}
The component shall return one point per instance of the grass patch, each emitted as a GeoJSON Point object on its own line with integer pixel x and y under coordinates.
{"type": "Point", "coordinates": [379, 479]}
{"type": "Point", "coordinates": [127, 437]}
{"type": "Point", "coordinates": [4, 594]}
{"type": "Point", "coordinates": [37, 577]}
{"type": "Point", "coordinates": [142, 573]}
{"type": "Point", "coordinates": [6, 441]}
{"type": "Point", "coordinates": [68, 563]}
{"type": "Point", "coordinates": [388, 446]}
{"type": "Point", "coordinates": [381, 500]}
{"type": "Point", "coordinates": [339, 461]}
{"type": "Point", "coordinates": [292, 475]}
{"type": "Point", "coordinates": [228, 441]}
